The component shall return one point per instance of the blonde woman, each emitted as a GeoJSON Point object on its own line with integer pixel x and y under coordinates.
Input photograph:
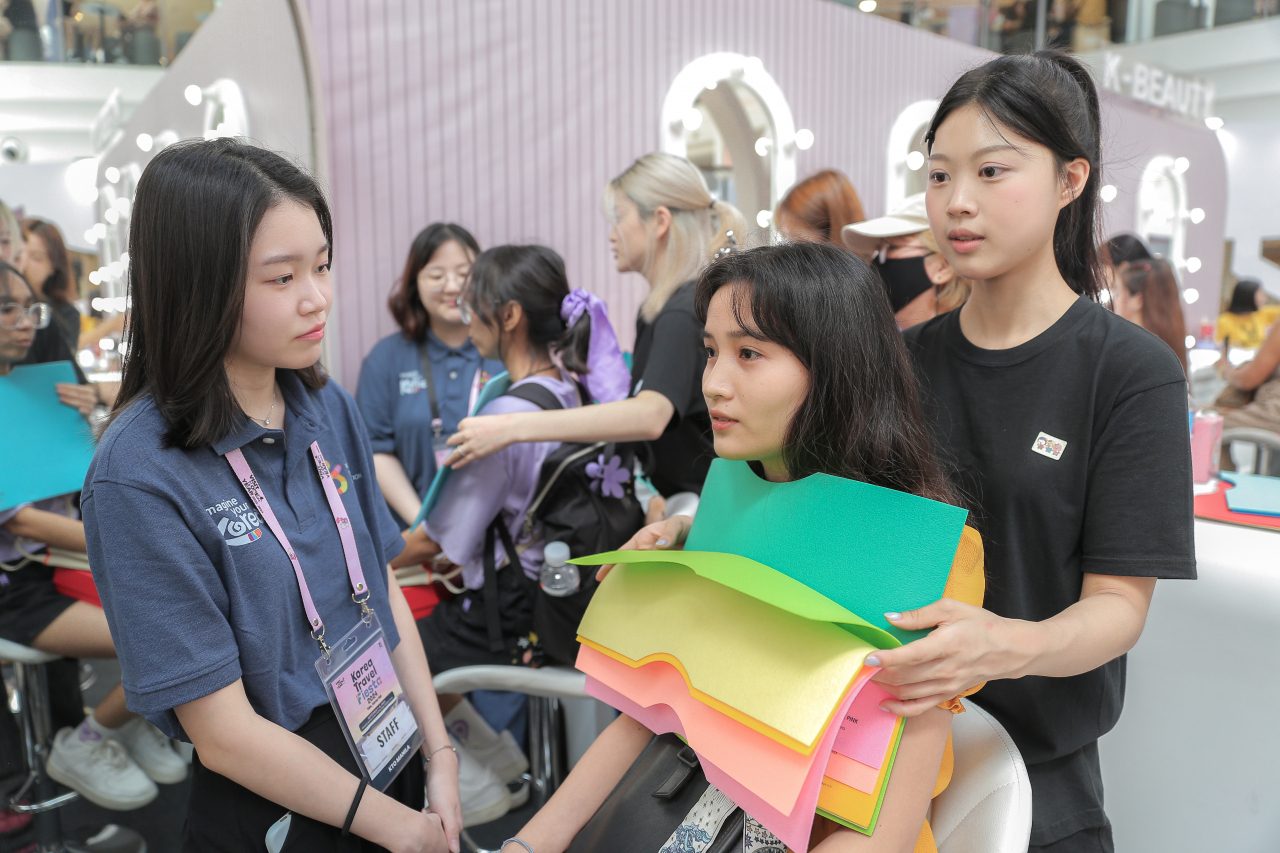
{"type": "Point", "coordinates": [665, 226]}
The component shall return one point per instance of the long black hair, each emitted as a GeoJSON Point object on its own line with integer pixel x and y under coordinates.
{"type": "Point", "coordinates": [197, 208]}
{"type": "Point", "coordinates": [861, 417]}
{"type": "Point", "coordinates": [405, 302]}
{"type": "Point", "coordinates": [1244, 297]}
{"type": "Point", "coordinates": [534, 277]}
{"type": "Point", "coordinates": [1050, 99]}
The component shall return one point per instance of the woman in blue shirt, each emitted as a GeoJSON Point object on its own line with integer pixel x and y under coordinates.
{"type": "Point", "coordinates": [206, 572]}
{"type": "Point", "coordinates": [417, 384]}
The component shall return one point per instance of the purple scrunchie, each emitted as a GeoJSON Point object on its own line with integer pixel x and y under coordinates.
{"type": "Point", "coordinates": [607, 379]}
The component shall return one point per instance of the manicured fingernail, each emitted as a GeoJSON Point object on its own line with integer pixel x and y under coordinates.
{"type": "Point", "coordinates": [893, 617]}
{"type": "Point", "coordinates": [661, 543]}
{"type": "Point", "coordinates": [872, 660]}
{"type": "Point", "coordinates": [883, 708]}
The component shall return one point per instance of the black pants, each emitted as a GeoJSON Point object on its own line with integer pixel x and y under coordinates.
{"type": "Point", "coordinates": [224, 817]}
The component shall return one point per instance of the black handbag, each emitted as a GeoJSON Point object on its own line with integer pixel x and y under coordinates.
{"type": "Point", "coordinates": [653, 798]}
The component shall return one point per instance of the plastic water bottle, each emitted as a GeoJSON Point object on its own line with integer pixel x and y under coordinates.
{"type": "Point", "coordinates": [558, 578]}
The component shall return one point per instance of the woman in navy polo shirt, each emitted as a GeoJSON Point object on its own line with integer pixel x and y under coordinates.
{"type": "Point", "coordinates": [229, 279]}
{"type": "Point", "coordinates": [417, 384]}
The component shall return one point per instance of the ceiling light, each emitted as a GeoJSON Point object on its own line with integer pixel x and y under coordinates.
{"type": "Point", "coordinates": [145, 141]}
{"type": "Point", "coordinates": [111, 173]}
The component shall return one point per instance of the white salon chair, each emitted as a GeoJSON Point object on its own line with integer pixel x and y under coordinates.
{"type": "Point", "coordinates": [987, 806]}
{"type": "Point", "coordinates": [1266, 445]}
{"type": "Point", "coordinates": [35, 726]}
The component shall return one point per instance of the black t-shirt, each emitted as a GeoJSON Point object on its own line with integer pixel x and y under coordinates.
{"type": "Point", "coordinates": [669, 358]}
{"type": "Point", "coordinates": [1074, 454]}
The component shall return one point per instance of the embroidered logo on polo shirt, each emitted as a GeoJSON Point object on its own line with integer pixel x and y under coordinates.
{"type": "Point", "coordinates": [411, 382]}
{"type": "Point", "coordinates": [1047, 445]}
{"type": "Point", "coordinates": [238, 523]}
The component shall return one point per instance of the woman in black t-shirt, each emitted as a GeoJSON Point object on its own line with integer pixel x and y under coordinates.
{"type": "Point", "coordinates": [1066, 427]}
{"type": "Point", "coordinates": [666, 226]}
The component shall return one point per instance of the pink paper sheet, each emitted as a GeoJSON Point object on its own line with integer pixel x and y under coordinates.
{"type": "Point", "coordinates": [792, 829]}
{"type": "Point", "coordinates": [866, 730]}
{"type": "Point", "coordinates": [855, 774]}
{"type": "Point", "coordinates": [657, 697]}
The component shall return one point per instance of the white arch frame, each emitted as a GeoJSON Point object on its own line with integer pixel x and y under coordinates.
{"type": "Point", "coordinates": [707, 71]}
{"type": "Point", "coordinates": [902, 135]}
{"type": "Point", "coordinates": [1163, 167]}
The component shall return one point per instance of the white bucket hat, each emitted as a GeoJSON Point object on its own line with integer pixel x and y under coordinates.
{"type": "Point", "coordinates": [906, 217]}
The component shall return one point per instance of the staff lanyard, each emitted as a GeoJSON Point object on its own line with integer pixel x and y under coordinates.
{"type": "Point", "coordinates": [437, 422]}
{"type": "Point", "coordinates": [250, 482]}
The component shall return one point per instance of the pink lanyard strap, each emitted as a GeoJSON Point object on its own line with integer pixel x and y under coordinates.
{"type": "Point", "coordinates": [250, 482]}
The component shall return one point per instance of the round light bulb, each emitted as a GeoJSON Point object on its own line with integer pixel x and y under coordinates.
{"type": "Point", "coordinates": [1181, 165]}
{"type": "Point", "coordinates": [692, 118]}
{"type": "Point", "coordinates": [1191, 295]}
{"type": "Point", "coordinates": [1196, 215]}
{"type": "Point", "coordinates": [111, 173]}
{"type": "Point", "coordinates": [193, 95]}
{"type": "Point", "coordinates": [91, 237]}
{"type": "Point", "coordinates": [1190, 341]}
{"type": "Point", "coordinates": [915, 160]}
{"type": "Point", "coordinates": [804, 139]}
{"type": "Point", "coordinates": [1213, 123]}
{"type": "Point", "coordinates": [95, 279]}
{"type": "Point", "coordinates": [1193, 265]}
{"type": "Point", "coordinates": [763, 218]}
{"type": "Point", "coordinates": [867, 6]}
{"type": "Point", "coordinates": [762, 145]}
{"type": "Point", "coordinates": [145, 141]}
{"type": "Point", "coordinates": [1108, 193]}
{"type": "Point", "coordinates": [112, 216]}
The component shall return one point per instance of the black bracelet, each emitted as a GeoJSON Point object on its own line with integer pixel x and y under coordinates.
{"type": "Point", "coordinates": [355, 804]}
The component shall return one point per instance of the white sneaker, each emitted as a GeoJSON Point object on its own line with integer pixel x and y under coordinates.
{"type": "Point", "coordinates": [484, 796]}
{"type": "Point", "coordinates": [499, 752]}
{"type": "Point", "coordinates": [100, 770]}
{"type": "Point", "coordinates": [152, 751]}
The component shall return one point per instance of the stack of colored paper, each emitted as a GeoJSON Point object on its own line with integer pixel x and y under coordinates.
{"type": "Point", "coordinates": [1250, 500]}
{"type": "Point", "coordinates": [751, 643]}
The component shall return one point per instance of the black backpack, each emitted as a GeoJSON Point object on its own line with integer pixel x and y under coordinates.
{"type": "Point", "coordinates": [586, 498]}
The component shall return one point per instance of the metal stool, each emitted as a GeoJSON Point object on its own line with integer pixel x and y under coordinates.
{"type": "Point", "coordinates": [34, 721]}
{"type": "Point", "coordinates": [1266, 459]}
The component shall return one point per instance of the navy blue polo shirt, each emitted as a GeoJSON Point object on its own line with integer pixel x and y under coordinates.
{"type": "Point", "coordinates": [397, 408]}
{"type": "Point", "coordinates": [197, 590]}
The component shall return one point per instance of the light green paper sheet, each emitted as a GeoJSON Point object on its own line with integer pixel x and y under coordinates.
{"type": "Point", "coordinates": [758, 581]}
{"type": "Point", "coordinates": [869, 549]}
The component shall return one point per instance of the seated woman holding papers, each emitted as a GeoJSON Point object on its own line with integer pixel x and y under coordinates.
{"type": "Point", "coordinates": [806, 374]}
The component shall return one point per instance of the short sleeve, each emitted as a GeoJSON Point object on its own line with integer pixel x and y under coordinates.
{"type": "Point", "coordinates": [165, 602]}
{"type": "Point", "coordinates": [376, 400]}
{"type": "Point", "coordinates": [676, 361]}
{"type": "Point", "coordinates": [1138, 511]}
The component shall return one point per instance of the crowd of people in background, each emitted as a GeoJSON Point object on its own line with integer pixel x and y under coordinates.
{"type": "Point", "coordinates": [977, 319]}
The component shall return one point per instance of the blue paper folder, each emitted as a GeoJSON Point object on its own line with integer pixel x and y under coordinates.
{"type": "Point", "coordinates": [47, 444]}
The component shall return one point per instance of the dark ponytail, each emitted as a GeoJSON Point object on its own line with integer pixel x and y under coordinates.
{"type": "Point", "coordinates": [1048, 98]}
{"type": "Point", "coordinates": [534, 277]}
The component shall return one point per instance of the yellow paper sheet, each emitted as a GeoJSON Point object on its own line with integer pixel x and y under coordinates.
{"type": "Point", "coordinates": [782, 670]}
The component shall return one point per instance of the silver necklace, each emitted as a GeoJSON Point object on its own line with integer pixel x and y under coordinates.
{"type": "Point", "coordinates": [267, 420]}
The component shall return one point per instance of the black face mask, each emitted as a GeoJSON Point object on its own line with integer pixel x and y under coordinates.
{"type": "Point", "coordinates": [904, 279]}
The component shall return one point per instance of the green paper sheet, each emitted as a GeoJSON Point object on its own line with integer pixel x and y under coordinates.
{"type": "Point", "coordinates": [869, 549]}
{"type": "Point", "coordinates": [758, 581]}
{"type": "Point", "coordinates": [493, 389]}
{"type": "Point", "coordinates": [48, 445]}
{"type": "Point", "coordinates": [875, 815]}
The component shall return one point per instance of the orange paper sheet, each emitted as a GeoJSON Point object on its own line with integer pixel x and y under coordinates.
{"type": "Point", "coordinates": [855, 774]}
{"type": "Point", "coordinates": [768, 769]}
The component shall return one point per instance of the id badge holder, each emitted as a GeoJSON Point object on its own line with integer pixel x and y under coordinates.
{"type": "Point", "coordinates": [371, 707]}
{"type": "Point", "coordinates": [440, 444]}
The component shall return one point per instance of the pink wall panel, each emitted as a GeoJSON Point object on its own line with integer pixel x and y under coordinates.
{"type": "Point", "coordinates": [509, 116]}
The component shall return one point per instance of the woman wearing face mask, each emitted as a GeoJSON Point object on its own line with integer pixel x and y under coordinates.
{"type": "Point", "coordinates": [665, 226]}
{"type": "Point", "coordinates": [416, 385]}
{"type": "Point", "coordinates": [921, 284]}
{"type": "Point", "coordinates": [1066, 424]}
{"type": "Point", "coordinates": [236, 532]}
